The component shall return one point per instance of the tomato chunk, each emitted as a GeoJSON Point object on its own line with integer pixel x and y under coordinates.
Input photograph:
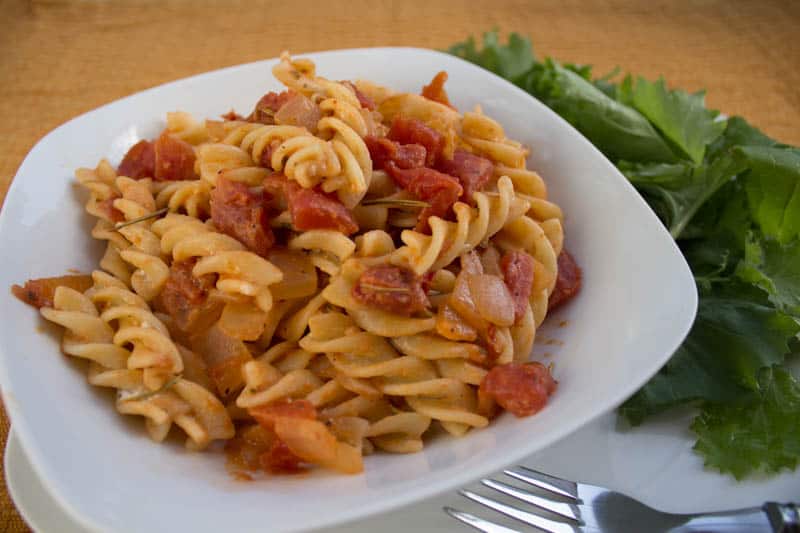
{"type": "Point", "coordinates": [439, 190]}
{"type": "Point", "coordinates": [184, 297]}
{"type": "Point", "coordinates": [174, 159]}
{"type": "Point", "coordinates": [517, 270]}
{"type": "Point", "coordinates": [139, 162]}
{"type": "Point", "coordinates": [40, 292]}
{"type": "Point", "coordinates": [240, 213]}
{"type": "Point", "coordinates": [414, 131]}
{"type": "Point", "coordinates": [391, 288]}
{"type": "Point", "coordinates": [568, 282]}
{"type": "Point", "coordinates": [435, 90]}
{"type": "Point", "coordinates": [522, 389]}
{"type": "Point", "coordinates": [383, 150]}
{"type": "Point", "coordinates": [472, 171]}
{"type": "Point", "coordinates": [311, 209]}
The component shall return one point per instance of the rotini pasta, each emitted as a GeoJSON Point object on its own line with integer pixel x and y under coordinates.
{"type": "Point", "coordinates": [330, 276]}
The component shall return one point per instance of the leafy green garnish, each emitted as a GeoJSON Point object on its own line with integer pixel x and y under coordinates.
{"type": "Point", "coordinates": [681, 117]}
{"type": "Point", "coordinates": [730, 197]}
{"type": "Point", "coordinates": [762, 435]}
{"type": "Point", "coordinates": [775, 268]}
{"type": "Point", "coordinates": [732, 338]}
{"type": "Point", "coordinates": [619, 131]}
{"type": "Point", "coordinates": [509, 61]}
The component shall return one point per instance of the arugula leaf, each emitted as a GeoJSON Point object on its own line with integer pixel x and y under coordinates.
{"type": "Point", "coordinates": [773, 189]}
{"type": "Point", "coordinates": [764, 435]}
{"type": "Point", "coordinates": [619, 131]}
{"type": "Point", "coordinates": [678, 190]}
{"type": "Point", "coordinates": [738, 133]}
{"type": "Point", "coordinates": [775, 268]}
{"type": "Point", "coordinates": [680, 116]}
{"type": "Point", "coordinates": [732, 338]}
{"type": "Point", "coordinates": [509, 61]}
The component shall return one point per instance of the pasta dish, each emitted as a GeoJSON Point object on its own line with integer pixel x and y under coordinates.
{"type": "Point", "coordinates": [345, 270]}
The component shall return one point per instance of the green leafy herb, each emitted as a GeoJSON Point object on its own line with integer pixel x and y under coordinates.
{"type": "Point", "coordinates": [509, 61]}
{"type": "Point", "coordinates": [681, 117]}
{"type": "Point", "coordinates": [619, 131]}
{"type": "Point", "coordinates": [730, 197]}
{"type": "Point", "coordinates": [775, 268]}
{"type": "Point", "coordinates": [763, 435]}
{"type": "Point", "coordinates": [731, 340]}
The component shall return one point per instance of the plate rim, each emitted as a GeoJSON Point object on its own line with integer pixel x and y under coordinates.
{"type": "Point", "coordinates": [35, 453]}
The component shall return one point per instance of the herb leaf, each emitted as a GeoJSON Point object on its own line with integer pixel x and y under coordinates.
{"type": "Point", "coordinates": [680, 116]}
{"type": "Point", "coordinates": [764, 435]}
{"type": "Point", "coordinates": [732, 338]}
{"type": "Point", "coordinates": [619, 131]}
{"type": "Point", "coordinates": [775, 268]}
{"type": "Point", "coordinates": [509, 61]}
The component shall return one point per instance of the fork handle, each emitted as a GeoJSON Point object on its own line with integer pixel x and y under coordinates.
{"type": "Point", "coordinates": [774, 517]}
{"type": "Point", "coordinates": [783, 517]}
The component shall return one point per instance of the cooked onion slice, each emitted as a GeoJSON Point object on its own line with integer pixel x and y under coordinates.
{"type": "Point", "coordinates": [492, 299]}
{"type": "Point", "coordinates": [299, 111]}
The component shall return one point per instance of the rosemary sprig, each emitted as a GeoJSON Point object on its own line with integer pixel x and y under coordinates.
{"type": "Point", "coordinates": [149, 394]}
{"type": "Point", "coordinates": [155, 214]}
{"type": "Point", "coordinates": [381, 288]}
{"type": "Point", "coordinates": [396, 202]}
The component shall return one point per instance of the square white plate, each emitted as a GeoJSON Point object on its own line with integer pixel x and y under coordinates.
{"type": "Point", "coordinates": [636, 306]}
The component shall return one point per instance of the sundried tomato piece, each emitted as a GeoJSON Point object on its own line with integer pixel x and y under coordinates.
{"type": "Point", "coordinates": [40, 292]}
{"type": "Point", "coordinates": [240, 213]}
{"type": "Point", "coordinates": [522, 389]}
{"type": "Point", "coordinates": [435, 90]}
{"type": "Point", "coordinates": [517, 270]}
{"type": "Point", "coordinates": [383, 150]}
{"type": "Point", "coordinates": [472, 171]}
{"type": "Point", "coordinates": [139, 162]}
{"type": "Point", "coordinates": [414, 131]}
{"type": "Point", "coordinates": [311, 209]}
{"type": "Point", "coordinates": [391, 288]}
{"type": "Point", "coordinates": [174, 159]}
{"type": "Point", "coordinates": [440, 190]}
{"type": "Point", "coordinates": [568, 282]}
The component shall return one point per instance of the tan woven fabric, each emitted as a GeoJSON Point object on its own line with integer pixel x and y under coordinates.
{"type": "Point", "coordinates": [59, 59]}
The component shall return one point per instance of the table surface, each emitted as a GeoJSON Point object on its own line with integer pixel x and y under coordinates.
{"type": "Point", "coordinates": [59, 58]}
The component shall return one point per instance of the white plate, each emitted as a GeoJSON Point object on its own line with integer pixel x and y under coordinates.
{"type": "Point", "coordinates": [637, 304]}
{"type": "Point", "coordinates": [653, 462]}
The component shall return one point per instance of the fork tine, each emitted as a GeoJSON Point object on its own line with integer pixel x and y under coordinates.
{"type": "Point", "coordinates": [545, 524]}
{"type": "Point", "coordinates": [478, 523]}
{"type": "Point", "coordinates": [565, 510]}
{"type": "Point", "coordinates": [562, 487]}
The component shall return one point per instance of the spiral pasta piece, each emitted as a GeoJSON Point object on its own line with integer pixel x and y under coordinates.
{"type": "Point", "coordinates": [342, 164]}
{"type": "Point", "coordinates": [239, 271]}
{"type": "Point", "coordinates": [486, 136]}
{"type": "Point", "coordinates": [144, 253]}
{"type": "Point", "coordinates": [102, 338]}
{"type": "Point", "coordinates": [473, 226]}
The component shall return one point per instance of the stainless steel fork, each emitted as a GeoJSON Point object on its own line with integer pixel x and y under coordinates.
{"type": "Point", "coordinates": [556, 505]}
